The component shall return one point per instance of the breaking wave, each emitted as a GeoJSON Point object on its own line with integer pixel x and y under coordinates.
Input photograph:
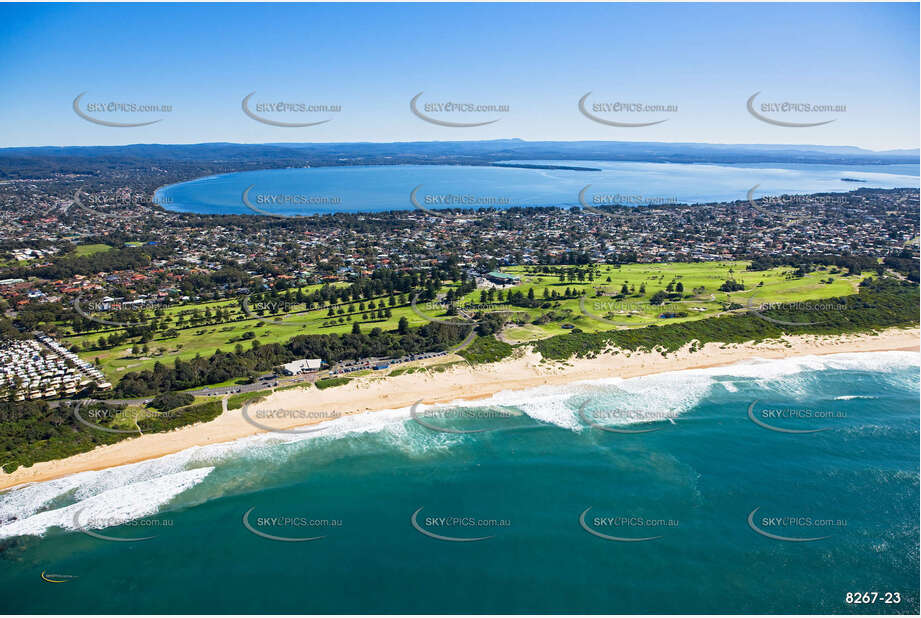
{"type": "Point", "coordinates": [199, 474]}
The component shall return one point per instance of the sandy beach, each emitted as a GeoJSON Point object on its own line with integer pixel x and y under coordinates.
{"type": "Point", "coordinates": [370, 393]}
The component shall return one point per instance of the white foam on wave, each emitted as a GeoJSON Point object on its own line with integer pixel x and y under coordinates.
{"type": "Point", "coordinates": [849, 397]}
{"type": "Point", "coordinates": [658, 397]}
{"type": "Point", "coordinates": [888, 367]}
{"type": "Point", "coordinates": [111, 507]}
{"type": "Point", "coordinates": [390, 422]}
{"type": "Point", "coordinates": [24, 501]}
{"type": "Point", "coordinates": [21, 502]}
{"type": "Point", "coordinates": [768, 369]}
{"type": "Point", "coordinates": [176, 470]}
{"type": "Point", "coordinates": [626, 401]}
{"type": "Point", "coordinates": [667, 395]}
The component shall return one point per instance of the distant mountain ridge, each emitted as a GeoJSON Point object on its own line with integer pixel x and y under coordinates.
{"type": "Point", "coordinates": [222, 156]}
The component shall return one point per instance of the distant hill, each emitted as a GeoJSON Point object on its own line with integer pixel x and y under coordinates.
{"type": "Point", "coordinates": [20, 162]}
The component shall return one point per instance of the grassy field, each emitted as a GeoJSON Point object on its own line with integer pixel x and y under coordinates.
{"type": "Point", "coordinates": [204, 340]}
{"type": "Point", "coordinates": [127, 418]}
{"type": "Point", "coordinates": [881, 304]}
{"type": "Point", "coordinates": [84, 250]}
{"type": "Point", "coordinates": [700, 298]}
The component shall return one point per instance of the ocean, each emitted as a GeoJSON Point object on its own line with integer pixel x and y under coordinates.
{"type": "Point", "coordinates": [771, 486]}
{"type": "Point", "coordinates": [306, 191]}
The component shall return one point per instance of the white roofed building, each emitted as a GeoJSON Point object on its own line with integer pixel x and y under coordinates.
{"type": "Point", "coordinates": [302, 366]}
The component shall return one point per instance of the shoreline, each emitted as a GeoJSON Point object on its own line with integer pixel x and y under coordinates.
{"type": "Point", "coordinates": [523, 371]}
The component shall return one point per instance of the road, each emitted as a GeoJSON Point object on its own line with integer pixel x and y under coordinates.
{"type": "Point", "coordinates": [258, 385]}
{"type": "Point", "coordinates": [219, 391]}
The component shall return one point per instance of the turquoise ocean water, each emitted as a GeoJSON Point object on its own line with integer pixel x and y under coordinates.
{"type": "Point", "coordinates": [710, 488]}
{"type": "Point", "coordinates": [303, 191]}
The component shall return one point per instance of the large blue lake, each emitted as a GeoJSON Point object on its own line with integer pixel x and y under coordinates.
{"type": "Point", "coordinates": [304, 191]}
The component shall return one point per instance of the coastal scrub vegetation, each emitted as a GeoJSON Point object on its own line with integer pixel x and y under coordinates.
{"type": "Point", "coordinates": [880, 303]}
{"type": "Point", "coordinates": [170, 401]}
{"type": "Point", "coordinates": [34, 431]}
{"type": "Point", "coordinates": [237, 401]}
{"type": "Point", "coordinates": [331, 382]}
{"type": "Point", "coordinates": [486, 350]}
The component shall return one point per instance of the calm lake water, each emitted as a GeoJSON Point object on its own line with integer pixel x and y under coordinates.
{"type": "Point", "coordinates": [304, 191]}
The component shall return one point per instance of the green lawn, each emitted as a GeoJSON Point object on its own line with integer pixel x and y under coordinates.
{"type": "Point", "coordinates": [633, 310]}
{"type": "Point", "coordinates": [205, 340]}
{"type": "Point", "coordinates": [84, 250]}
{"type": "Point", "coordinates": [529, 332]}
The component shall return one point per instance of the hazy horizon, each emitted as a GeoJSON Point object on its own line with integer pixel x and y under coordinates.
{"type": "Point", "coordinates": [503, 139]}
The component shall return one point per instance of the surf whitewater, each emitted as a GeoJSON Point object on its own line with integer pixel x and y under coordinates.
{"type": "Point", "coordinates": [620, 479]}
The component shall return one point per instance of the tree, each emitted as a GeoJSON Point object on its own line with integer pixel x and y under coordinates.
{"type": "Point", "coordinates": [403, 326]}
{"type": "Point", "coordinates": [731, 285]}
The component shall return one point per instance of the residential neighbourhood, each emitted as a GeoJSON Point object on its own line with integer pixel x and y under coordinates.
{"type": "Point", "coordinates": [334, 248]}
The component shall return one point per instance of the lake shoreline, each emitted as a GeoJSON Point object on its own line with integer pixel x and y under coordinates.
{"type": "Point", "coordinates": [538, 183]}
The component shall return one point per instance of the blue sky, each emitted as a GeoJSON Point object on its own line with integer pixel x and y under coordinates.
{"type": "Point", "coordinates": [538, 59]}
